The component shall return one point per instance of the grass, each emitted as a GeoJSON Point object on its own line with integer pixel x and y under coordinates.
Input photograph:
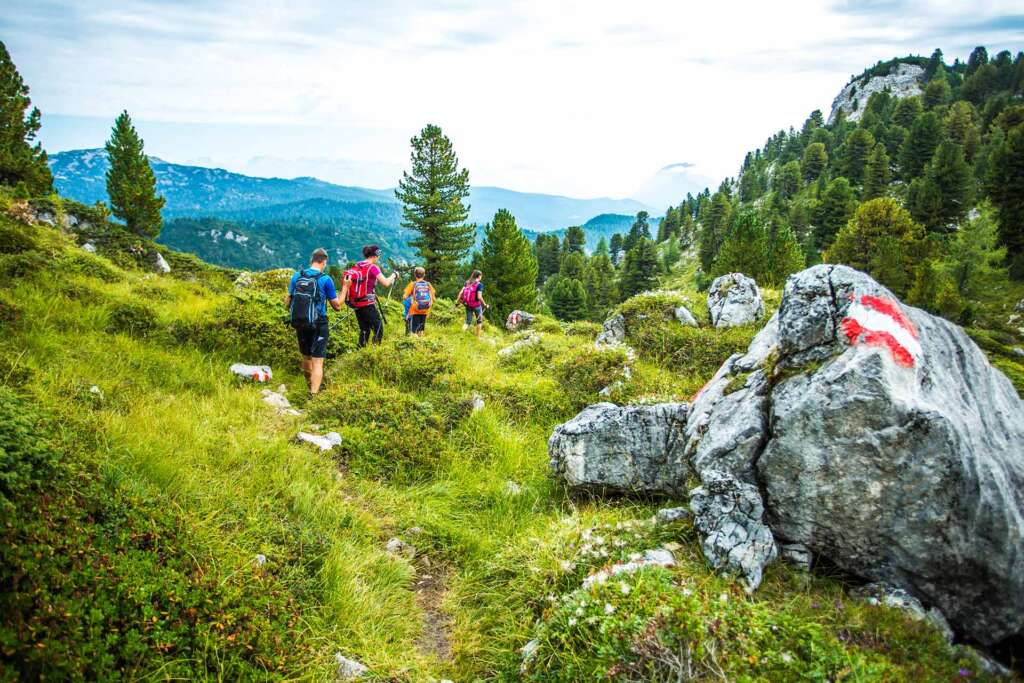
{"type": "Point", "coordinates": [179, 475]}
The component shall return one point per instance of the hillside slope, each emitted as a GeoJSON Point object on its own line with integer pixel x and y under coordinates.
{"type": "Point", "coordinates": [160, 520]}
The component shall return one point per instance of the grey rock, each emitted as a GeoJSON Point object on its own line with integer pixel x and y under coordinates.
{"type": "Point", "coordinates": [528, 651]}
{"type": "Point", "coordinates": [400, 548]}
{"type": "Point", "coordinates": [911, 476]}
{"type": "Point", "coordinates": [260, 559]}
{"type": "Point", "coordinates": [613, 332]}
{"type": "Point", "coordinates": [161, 264]}
{"type": "Point", "coordinates": [904, 80]}
{"type": "Point", "coordinates": [476, 403]}
{"type": "Point", "coordinates": [89, 247]}
{"type": "Point", "coordinates": [729, 514]}
{"type": "Point", "coordinates": [1018, 351]}
{"type": "Point", "coordinates": [519, 320]}
{"type": "Point", "coordinates": [897, 598]}
{"type": "Point", "coordinates": [655, 557]}
{"type": "Point", "coordinates": [796, 555]}
{"type": "Point", "coordinates": [244, 280]}
{"type": "Point", "coordinates": [519, 345]}
{"type": "Point", "coordinates": [275, 399]}
{"type": "Point", "coordinates": [349, 669]}
{"type": "Point", "coordinates": [629, 449]}
{"type": "Point", "coordinates": [326, 442]}
{"type": "Point", "coordinates": [985, 664]}
{"type": "Point", "coordinates": [46, 217]}
{"type": "Point", "coordinates": [684, 316]}
{"type": "Point", "coordinates": [671, 515]}
{"type": "Point", "coordinates": [1020, 306]}
{"type": "Point", "coordinates": [734, 299]}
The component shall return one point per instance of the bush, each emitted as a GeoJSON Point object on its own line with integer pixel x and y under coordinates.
{"type": "Point", "coordinates": [387, 433]}
{"type": "Point", "coordinates": [689, 349]}
{"type": "Point", "coordinates": [587, 371]}
{"type": "Point", "coordinates": [583, 328]}
{"type": "Point", "coordinates": [534, 400]}
{"type": "Point", "coordinates": [25, 460]}
{"type": "Point", "coordinates": [23, 264]}
{"type": "Point", "coordinates": [132, 317]}
{"type": "Point", "coordinates": [250, 329]}
{"type": "Point", "coordinates": [15, 238]}
{"type": "Point", "coordinates": [411, 362]}
{"type": "Point", "coordinates": [78, 262]}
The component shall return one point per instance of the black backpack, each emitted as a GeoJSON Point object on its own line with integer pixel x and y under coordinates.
{"type": "Point", "coordinates": [306, 297]}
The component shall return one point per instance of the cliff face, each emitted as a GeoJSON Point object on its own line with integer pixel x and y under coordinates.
{"type": "Point", "coordinates": [903, 81]}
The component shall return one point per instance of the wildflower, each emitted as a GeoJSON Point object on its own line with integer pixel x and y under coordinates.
{"type": "Point", "coordinates": [723, 598]}
{"type": "Point", "coordinates": [567, 566]}
{"type": "Point", "coordinates": [786, 657]}
{"type": "Point", "coordinates": [579, 611]}
{"type": "Point", "coordinates": [964, 673]}
{"type": "Point", "coordinates": [609, 608]}
{"type": "Point", "coordinates": [624, 588]}
{"type": "Point", "coordinates": [572, 621]}
{"type": "Point", "coordinates": [687, 592]}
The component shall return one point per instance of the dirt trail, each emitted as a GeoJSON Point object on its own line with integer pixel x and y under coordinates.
{"type": "Point", "coordinates": [430, 587]}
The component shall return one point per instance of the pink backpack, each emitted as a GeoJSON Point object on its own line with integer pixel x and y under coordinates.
{"type": "Point", "coordinates": [468, 296]}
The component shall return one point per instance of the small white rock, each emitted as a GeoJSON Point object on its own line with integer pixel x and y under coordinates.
{"type": "Point", "coordinates": [161, 264]}
{"type": "Point", "coordinates": [89, 247]}
{"type": "Point", "coordinates": [349, 669]}
{"type": "Point", "coordinates": [400, 548]}
{"type": "Point", "coordinates": [324, 443]}
{"type": "Point", "coordinates": [512, 488]}
{"type": "Point", "coordinates": [260, 559]}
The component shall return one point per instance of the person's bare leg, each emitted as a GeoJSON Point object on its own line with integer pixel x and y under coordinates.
{"type": "Point", "coordinates": [306, 365]}
{"type": "Point", "coordinates": [316, 374]}
{"type": "Point", "coordinates": [479, 326]}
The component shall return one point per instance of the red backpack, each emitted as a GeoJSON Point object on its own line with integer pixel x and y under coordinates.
{"type": "Point", "coordinates": [359, 292]}
{"type": "Point", "coordinates": [468, 296]}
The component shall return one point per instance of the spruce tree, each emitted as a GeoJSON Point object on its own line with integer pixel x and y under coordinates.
{"type": "Point", "coordinates": [906, 112]}
{"type": "Point", "coordinates": [835, 209]}
{"type": "Point", "coordinates": [575, 240]}
{"type": "Point", "coordinates": [21, 162]}
{"type": "Point", "coordinates": [511, 267]}
{"type": "Point", "coordinates": [548, 250]}
{"type": "Point", "coordinates": [937, 92]}
{"type": "Point", "coordinates": [917, 151]}
{"type": "Point", "coordinates": [615, 249]}
{"type": "Point", "coordinates": [954, 180]}
{"type": "Point", "coordinates": [975, 260]}
{"type": "Point", "coordinates": [569, 299]}
{"type": "Point", "coordinates": [856, 151]}
{"type": "Point", "coordinates": [639, 269]}
{"type": "Point", "coordinates": [573, 265]}
{"type": "Point", "coordinates": [640, 229]}
{"type": "Point", "coordinates": [602, 247]}
{"type": "Point", "coordinates": [882, 240]}
{"type": "Point", "coordinates": [814, 161]}
{"type": "Point", "coordinates": [1005, 185]}
{"type": "Point", "coordinates": [131, 184]}
{"type": "Point", "coordinates": [962, 127]}
{"type": "Point", "coordinates": [877, 173]}
{"type": "Point", "coordinates": [713, 229]}
{"type": "Point", "coordinates": [432, 193]}
{"type": "Point", "coordinates": [745, 250]}
{"type": "Point", "coordinates": [670, 253]}
{"type": "Point", "coordinates": [601, 287]}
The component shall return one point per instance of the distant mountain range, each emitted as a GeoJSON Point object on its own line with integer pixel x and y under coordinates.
{"type": "Point", "coordinates": [249, 222]}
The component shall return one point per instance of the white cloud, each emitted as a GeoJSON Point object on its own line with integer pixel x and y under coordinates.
{"type": "Point", "coordinates": [584, 98]}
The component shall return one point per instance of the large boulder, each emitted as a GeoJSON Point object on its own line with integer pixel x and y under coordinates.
{"type": "Point", "coordinates": [519, 320]}
{"type": "Point", "coordinates": [734, 299]}
{"type": "Point", "coordinates": [882, 439]}
{"type": "Point", "coordinates": [613, 332]}
{"type": "Point", "coordinates": [625, 449]}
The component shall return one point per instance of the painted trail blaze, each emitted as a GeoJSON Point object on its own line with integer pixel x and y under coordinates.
{"type": "Point", "coordinates": [879, 321]}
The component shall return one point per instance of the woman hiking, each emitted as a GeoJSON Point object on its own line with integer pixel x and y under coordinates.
{"type": "Point", "coordinates": [472, 298]}
{"type": "Point", "coordinates": [358, 291]}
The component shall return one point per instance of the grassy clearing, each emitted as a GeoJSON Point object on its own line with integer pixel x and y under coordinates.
{"type": "Point", "coordinates": [179, 476]}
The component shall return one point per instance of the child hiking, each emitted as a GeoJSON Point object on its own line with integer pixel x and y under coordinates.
{"type": "Point", "coordinates": [421, 296]}
{"type": "Point", "coordinates": [309, 292]}
{"type": "Point", "coordinates": [359, 293]}
{"type": "Point", "coordinates": [472, 297]}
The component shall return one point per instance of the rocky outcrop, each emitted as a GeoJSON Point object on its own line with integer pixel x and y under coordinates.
{"type": "Point", "coordinates": [734, 299]}
{"type": "Point", "coordinates": [876, 435]}
{"type": "Point", "coordinates": [161, 264]}
{"type": "Point", "coordinates": [903, 81]}
{"type": "Point", "coordinates": [729, 515]}
{"type": "Point", "coordinates": [520, 344]}
{"type": "Point", "coordinates": [622, 449]}
{"type": "Point", "coordinates": [684, 316]}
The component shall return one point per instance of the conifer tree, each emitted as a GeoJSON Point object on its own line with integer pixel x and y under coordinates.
{"type": "Point", "coordinates": [745, 250]}
{"type": "Point", "coordinates": [814, 161]}
{"type": "Point", "coordinates": [568, 299]}
{"type": "Point", "coordinates": [1005, 185]}
{"type": "Point", "coordinates": [786, 182]}
{"type": "Point", "coordinates": [602, 247]}
{"type": "Point", "coordinates": [639, 268]}
{"type": "Point", "coordinates": [835, 209]}
{"type": "Point", "coordinates": [920, 145]}
{"type": "Point", "coordinates": [937, 92]}
{"type": "Point", "coordinates": [432, 193]}
{"type": "Point", "coordinates": [575, 240]}
{"type": "Point", "coordinates": [670, 253]}
{"type": "Point", "coordinates": [573, 265]}
{"type": "Point", "coordinates": [601, 287]}
{"type": "Point", "coordinates": [615, 249]}
{"type": "Point", "coordinates": [131, 184]}
{"type": "Point", "coordinates": [21, 162]}
{"type": "Point", "coordinates": [954, 181]}
{"type": "Point", "coordinates": [906, 112]}
{"type": "Point", "coordinates": [856, 151]}
{"type": "Point", "coordinates": [975, 260]}
{"type": "Point", "coordinates": [877, 173]}
{"type": "Point", "coordinates": [640, 229]}
{"type": "Point", "coordinates": [713, 229]}
{"type": "Point", "coordinates": [511, 267]}
{"type": "Point", "coordinates": [785, 256]}
{"type": "Point", "coordinates": [882, 240]}
{"type": "Point", "coordinates": [548, 250]}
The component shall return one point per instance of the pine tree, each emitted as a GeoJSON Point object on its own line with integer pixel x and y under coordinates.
{"type": "Point", "coordinates": [1005, 184]}
{"type": "Point", "coordinates": [601, 287]}
{"type": "Point", "coordinates": [670, 253]}
{"type": "Point", "coordinates": [602, 247]}
{"type": "Point", "coordinates": [713, 229]}
{"type": "Point", "coordinates": [615, 249]}
{"type": "Point", "coordinates": [785, 256]}
{"type": "Point", "coordinates": [745, 250]}
{"type": "Point", "coordinates": [575, 240]}
{"type": "Point", "coordinates": [920, 145]}
{"type": "Point", "coordinates": [814, 162]}
{"type": "Point", "coordinates": [962, 127]}
{"type": "Point", "coordinates": [924, 201]}
{"type": "Point", "coordinates": [937, 92]}
{"type": "Point", "coordinates": [548, 251]}
{"type": "Point", "coordinates": [882, 240]}
{"type": "Point", "coordinates": [786, 182]}
{"type": "Point", "coordinates": [432, 193]}
{"type": "Point", "coordinates": [568, 299]}
{"type": "Point", "coordinates": [954, 180]}
{"type": "Point", "coordinates": [21, 162]}
{"type": "Point", "coordinates": [856, 151]}
{"type": "Point", "coordinates": [934, 64]}
{"type": "Point", "coordinates": [975, 260]}
{"type": "Point", "coordinates": [639, 269]}
{"type": "Point", "coordinates": [906, 112]}
{"type": "Point", "coordinates": [877, 174]}
{"type": "Point", "coordinates": [511, 267]}
{"type": "Point", "coordinates": [131, 184]}
{"type": "Point", "coordinates": [835, 209]}
{"type": "Point", "coordinates": [573, 265]}
{"type": "Point", "coordinates": [640, 229]}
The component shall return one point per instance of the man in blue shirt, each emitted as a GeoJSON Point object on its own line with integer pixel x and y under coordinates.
{"type": "Point", "coordinates": [313, 341]}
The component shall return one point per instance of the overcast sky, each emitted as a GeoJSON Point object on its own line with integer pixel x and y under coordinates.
{"type": "Point", "coordinates": [583, 98]}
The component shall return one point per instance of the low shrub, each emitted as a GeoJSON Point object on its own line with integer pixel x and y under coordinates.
{"type": "Point", "coordinates": [78, 262]}
{"type": "Point", "coordinates": [387, 433]}
{"type": "Point", "coordinates": [26, 461]}
{"type": "Point", "coordinates": [15, 237]}
{"type": "Point", "coordinates": [132, 317]}
{"type": "Point", "coordinates": [587, 370]}
{"type": "Point", "coordinates": [538, 400]}
{"type": "Point", "coordinates": [689, 349]}
{"type": "Point", "coordinates": [411, 362]}
{"type": "Point", "coordinates": [249, 329]}
{"type": "Point", "coordinates": [583, 328]}
{"type": "Point", "coordinates": [23, 264]}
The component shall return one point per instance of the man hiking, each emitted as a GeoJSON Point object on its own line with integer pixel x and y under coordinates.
{"type": "Point", "coordinates": [472, 297]}
{"type": "Point", "coordinates": [309, 292]}
{"type": "Point", "coordinates": [421, 296]}
{"type": "Point", "coordinates": [359, 292]}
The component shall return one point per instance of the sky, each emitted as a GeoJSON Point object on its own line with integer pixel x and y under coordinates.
{"type": "Point", "coordinates": [587, 99]}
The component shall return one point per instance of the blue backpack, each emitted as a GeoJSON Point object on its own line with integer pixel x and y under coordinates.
{"type": "Point", "coordinates": [421, 295]}
{"type": "Point", "coordinates": [306, 298]}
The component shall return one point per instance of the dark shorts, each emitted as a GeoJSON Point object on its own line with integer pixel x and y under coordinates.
{"type": "Point", "coordinates": [418, 322]}
{"type": "Point", "coordinates": [313, 343]}
{"type": "Point", "coordinates": [477, 311]}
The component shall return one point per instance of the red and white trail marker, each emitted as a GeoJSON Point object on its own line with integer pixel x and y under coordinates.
{"type": "Point", "coordinates": [880, 321]}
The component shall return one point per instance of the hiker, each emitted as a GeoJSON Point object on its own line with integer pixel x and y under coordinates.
{"type": "Point", "coordinates": [472, 298]}
{"type": "Point", "coordinates": [359, 293]}
{"type": "Point", "coordinates": [421, 295]}
{"type": "Point", "coordinates": [309, 292]}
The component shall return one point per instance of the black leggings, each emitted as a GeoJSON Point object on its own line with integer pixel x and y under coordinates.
{"type": "Point", "coordinates": [370, 323]}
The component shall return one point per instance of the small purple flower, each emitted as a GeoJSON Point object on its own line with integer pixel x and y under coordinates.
{"type": "Point", "coordinates": [965, 673]}
{"type": "Point", "coordinates": [815, 605]}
